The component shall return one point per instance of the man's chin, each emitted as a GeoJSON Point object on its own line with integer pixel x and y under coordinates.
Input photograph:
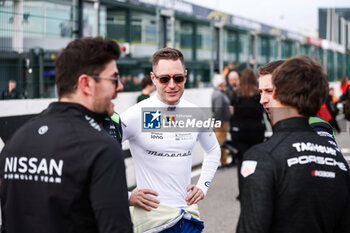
{"type": "Point", "coordinates": [173, 101]}
{"type": "Point", "coordinates": [110, 110]}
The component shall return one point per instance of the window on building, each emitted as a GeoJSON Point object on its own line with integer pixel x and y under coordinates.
{"type": "Point", "coordinates": [204, 42]}
{"type": "Point", "coordinates": [184, 39]}
{"type": "Point", "coordinates": [230, 45]}
{"type": "Point", "coordinates": [115, 25]}
{"type": "Point", "coordinates": [58, 20]}
{"type": "Point", "coordinates": [273, 44]}
{"type": "Point", "coordinates": [243, 46]}
{"type": "Point", "coordinates": [144, 36]}
{"type": "Point", "coordinates": [263, 49]}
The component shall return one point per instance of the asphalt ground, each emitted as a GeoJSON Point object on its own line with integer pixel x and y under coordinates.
{"type": "Point", "coordinates": [220, 210]}
{"type": "Point", "coordinates": [343, 139]}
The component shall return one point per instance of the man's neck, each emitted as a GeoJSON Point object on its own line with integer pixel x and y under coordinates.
{"type": "Point", "coordinates": [163, 101]}
{"type": "Point", "coordinates": [74, 99]}
{"type": "Point", "coordinates": [282, 113]}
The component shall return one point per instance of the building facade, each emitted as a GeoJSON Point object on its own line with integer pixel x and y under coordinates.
{"type": "Point", "coordinates": [33, 31]}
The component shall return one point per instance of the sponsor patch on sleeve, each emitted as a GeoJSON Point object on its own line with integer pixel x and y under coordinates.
{"type": "Point", "coordinates": [324, 174]}
{"type": "Point", "coordinates": [248, 167]}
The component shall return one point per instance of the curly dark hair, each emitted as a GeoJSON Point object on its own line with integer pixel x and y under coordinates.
{"type": "Point", "coordinates": [87, 55]}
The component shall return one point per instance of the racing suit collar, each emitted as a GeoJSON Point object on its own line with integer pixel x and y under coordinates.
{"type": "Point", "coordinates": [293, 123]}
{"type": "Point", "coordinates": [168, 107]}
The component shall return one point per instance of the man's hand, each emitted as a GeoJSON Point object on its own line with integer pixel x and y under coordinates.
{"type": "Point", "coordinates": [140, 198]}
{"type": "Point", "coordinates": [195, 196]}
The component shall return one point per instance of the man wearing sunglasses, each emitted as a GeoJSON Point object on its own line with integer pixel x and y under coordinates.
{"type": "Point", "coordinates": [61, 172]}
{"type": "Point", "coordinates": [165, 200]}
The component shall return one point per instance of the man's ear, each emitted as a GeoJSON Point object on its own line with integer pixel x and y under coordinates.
{"type": "Point", "coordinates": [274, 93]}
{"type": "Point", "coordinates": [153, 77]}
{"type": "Point", "coordinates": [186, 73]}
{"type": "Point", "coordinates": [85, 84]}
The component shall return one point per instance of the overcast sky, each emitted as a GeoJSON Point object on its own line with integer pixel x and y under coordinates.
{"type": "Point", "coordinates": [295, 15]}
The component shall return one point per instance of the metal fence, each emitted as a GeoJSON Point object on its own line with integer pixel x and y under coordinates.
{"type": "Point", "coordinates": [29, 32]}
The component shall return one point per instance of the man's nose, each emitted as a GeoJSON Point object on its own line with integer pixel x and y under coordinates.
{"type": "Point", "coordinates": [263, 99]}
{"type": "Point", "coordinates": [119, 87]}
{"type": "Point", "coordinates": [171, 83]}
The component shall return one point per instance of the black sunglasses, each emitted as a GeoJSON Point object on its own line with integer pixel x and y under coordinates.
{"type": "Point", "coordinates": [178, 78]}
{"type": "Point", "coordinates": [114, 79]}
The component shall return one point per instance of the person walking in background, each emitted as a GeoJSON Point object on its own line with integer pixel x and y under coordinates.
{"type": "Point", "coordinates": [333, 110]}
{"type": "Point", "coordinates": [164, 199]}
{"type": "Point", "coordinates": [232, 85]}
{"type": "Point", "coordinates": [231, 92]}
{"type": "Point", "coordinates": [11, 92]}
{"type": "Point", "coordinates": [136, 83]}
{"type": "Point", "coordinates": [222, 111]}
{"type": "Point", "coordinates": [147, 88]}
{"type": "Point", "coordinates": [230, 67]}
{"type": "Point", "coordinates": [334, 97]}
{"type": "Point", "coordinates": [127, 82]}
{"type": "Point", "coordinates": [344, 85]}
{"type": "Point", "coordinates": [61, 172]}
{"type": "Point", "coordinates": [285, 178]}
{"type": "Point", "coordinates": [345, 98]}
{"type": "Point", "coordinates": [247, 123]}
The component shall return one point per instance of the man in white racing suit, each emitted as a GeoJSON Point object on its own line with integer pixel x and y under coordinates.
{"type": "Point", "coordinates": [165, 200]}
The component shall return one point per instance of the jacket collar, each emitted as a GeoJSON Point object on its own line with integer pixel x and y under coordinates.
{"type": "Point", "coordinates": [294, 124]}
{"type": "Point", "coordinates": [78, 108]}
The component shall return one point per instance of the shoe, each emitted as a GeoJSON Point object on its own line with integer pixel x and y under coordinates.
{"type": "Point", "coordinates": [222, 167]}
